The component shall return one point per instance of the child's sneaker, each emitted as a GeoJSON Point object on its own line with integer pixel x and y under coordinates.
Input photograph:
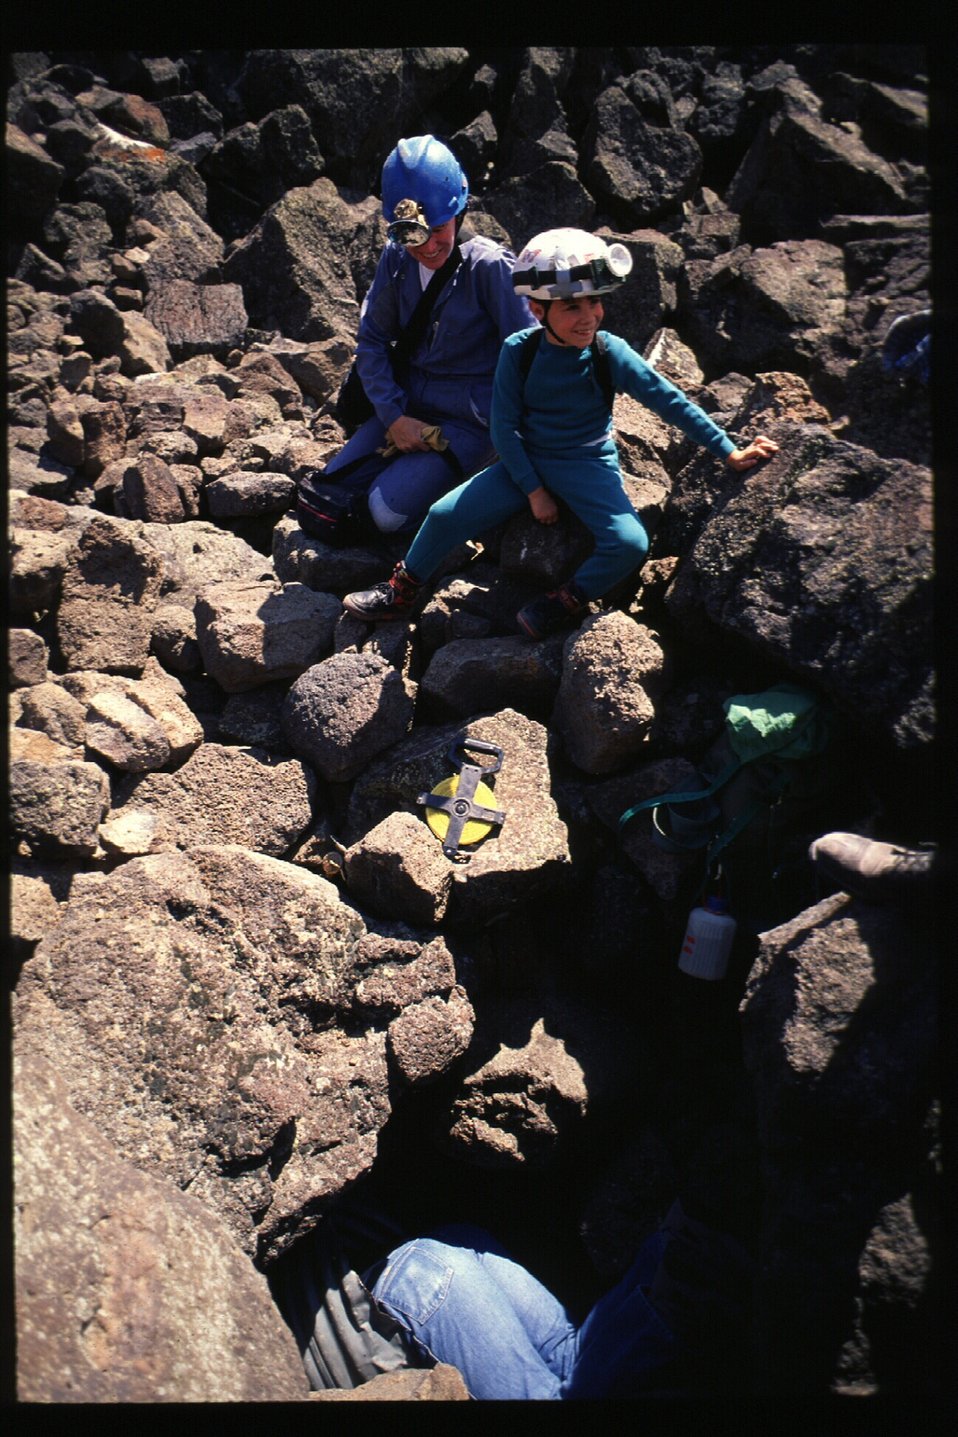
{"type": "Point", "coordinates": [393, 599]}
{"type": "Point", "coordinates": [552, 611]}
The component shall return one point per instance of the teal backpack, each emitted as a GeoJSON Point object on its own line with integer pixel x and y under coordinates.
{"type": "Point", "coordinates": [763, 761]}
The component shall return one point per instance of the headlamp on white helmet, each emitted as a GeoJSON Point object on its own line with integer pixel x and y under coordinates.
{"type": "Point", "coordinates": [563, 263]}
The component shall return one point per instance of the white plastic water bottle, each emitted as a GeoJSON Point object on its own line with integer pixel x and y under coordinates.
{"type": "Point", "coordinates": [708, 940]}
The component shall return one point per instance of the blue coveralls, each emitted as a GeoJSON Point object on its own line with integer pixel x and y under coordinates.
{"type": "Point", "coordinates": [556, 431]}
{"type": "Point", "coordinates": [448, 380]}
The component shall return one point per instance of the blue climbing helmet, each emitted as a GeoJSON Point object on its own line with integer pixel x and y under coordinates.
{"type": "Point", "coordinates": [423, 186]}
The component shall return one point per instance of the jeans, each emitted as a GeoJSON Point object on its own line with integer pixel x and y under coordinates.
{"type": "Point", "coordinates": [409, 483]}
{"type": "Point", "coordinates": [462, 1300]}
{"type": "Point", "coordinates": [591, 485]}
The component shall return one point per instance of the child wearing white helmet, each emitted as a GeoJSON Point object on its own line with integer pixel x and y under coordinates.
{"type": "Point", "coordinates": [552, 428]}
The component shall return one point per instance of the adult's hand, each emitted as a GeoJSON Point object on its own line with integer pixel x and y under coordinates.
{"type": "Point", "coordinates": [406, 434]}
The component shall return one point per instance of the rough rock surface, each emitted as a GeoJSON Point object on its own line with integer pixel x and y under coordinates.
{"type": "Point", "coordinates": [127, 1290]}
{"type": "Point", "coordinates": [233, 956]}
{"type": "Point", "coordinates": [235, 937]}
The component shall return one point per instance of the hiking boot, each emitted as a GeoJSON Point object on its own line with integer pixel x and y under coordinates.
{"type": "Point", "coordinates": [876, 872]}
{"type": "Point", "coordinates": [393, 599]}
{"type": "Point", "coordinates": [552, 611]}
{"type": "Point", "coordinates": [704, 1279]}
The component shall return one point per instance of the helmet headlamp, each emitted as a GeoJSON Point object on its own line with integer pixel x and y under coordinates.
{"type": "Point", "coordinates": [410, 226]}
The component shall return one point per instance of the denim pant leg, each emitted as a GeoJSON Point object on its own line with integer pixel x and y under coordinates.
{"type": "Point", "coordinates": [403, 492]}
{"type": "Point", "coordinates": [474, 1308]}
{"type": "Point", "coordinates": [368, 437]}
{"type": "Point", "coordinates": [480, 503]}
{"type": "Point", "coordinates": [623, 1336]}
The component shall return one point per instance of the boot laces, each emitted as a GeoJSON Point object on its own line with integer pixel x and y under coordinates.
{"type": "Point", "coordinates": [912, 860]}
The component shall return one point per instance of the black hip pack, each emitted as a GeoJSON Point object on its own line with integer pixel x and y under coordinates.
{"type": "Point", "coordinates": [333, 507]}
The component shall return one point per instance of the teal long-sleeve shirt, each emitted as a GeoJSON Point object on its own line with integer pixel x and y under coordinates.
{"type": "Point", "coordinates": [561, 406]}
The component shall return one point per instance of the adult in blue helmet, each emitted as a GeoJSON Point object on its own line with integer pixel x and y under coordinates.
{"type": "Point", "coordinates": [430, 408]}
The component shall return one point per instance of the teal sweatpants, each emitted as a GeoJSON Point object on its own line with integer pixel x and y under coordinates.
{"type": "Point", "coordinates": [591, 485]}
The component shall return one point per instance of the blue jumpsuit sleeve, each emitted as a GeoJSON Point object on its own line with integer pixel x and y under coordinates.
{"type": "Point", "coordinates": [505, 420]}
{"type": "Point", "coordinates": [379, 326]}
{"type": "Point", "coordinates": [633, 375]}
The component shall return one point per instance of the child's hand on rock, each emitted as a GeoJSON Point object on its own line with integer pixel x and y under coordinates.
{"type": "Point", "coordinates": [543, 506]}
{"type": "Point", "coordinates": [760, 448]}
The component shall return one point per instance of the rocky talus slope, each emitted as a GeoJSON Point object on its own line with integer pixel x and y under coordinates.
{"type": "Point", "coordinates": [245, 982]}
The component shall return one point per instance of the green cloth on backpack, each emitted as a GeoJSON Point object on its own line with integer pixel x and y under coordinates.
{"type": "Point", "coordinates": [785, 721]}
{"type": "Point", "coordinates": [782, 722]}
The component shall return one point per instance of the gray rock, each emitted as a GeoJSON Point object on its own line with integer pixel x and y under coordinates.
{"type": "Point", "coordinates": [839, 1026]}
{"type": "Point", "coordinates": [537, 1065]}
{"type": "Point", "coordinates": [39, 473]}
{"type": "Point", "coordinates": [298, 558]}
{"type": "Point", "coordinates": [148, 490]}
{"type": "Point", "coordinates": [639, 308]}
{"type": "Point", "coordinates": [27, 657]}
{"type": "Point", "coordinates": [187, 247]}
{"type": "Point", "coordinates": [197, 1056]}
{"type": "Point", "coordinates": [441, 1383]}
{"type": "Point", "coordinates": [471, 676]}
{"type": "Point", "coordinates": [197, 318]}
{"type": "Point", "coordinates": [241, 493]}
{"type": "Point", "coordinates": [612, 672]}
{"type": "Point", "coordinates": [398, 870]}
{"type": "Point", "coordinates": [65, 432]}
{"type": "Point", "coordinates": [552, 189]}
{"type": "Point", "coordinates": [294, 267]}
{"type": "Point", "coordinates": [126, 1289]}
{"type": "Point", "coordinates": [104, 434]}
{"type": "Point", "coordinates": [641, 170]}
{"type": "Point", "coordinates": [188, 554]}
{"type": "Point", "coordinates": [124, 734]}
{"type": "Point", "coordinates": [49, 708]}
{"type": "Point", "coordinates": [514, 864]}
{"type": "Point", "coordinates": [34, 178]}
{"type": "Point", "coordinates": [251, 634]}
{"type": "Point", "coordinates": [221, 795]}
{"type": "Point", "coordinates": [107, 600]}
{"type": "Point", "coordinates": [816, 559]}
{"type": "Point", "coordinates": [142, 349]}
{"type": "Point", "coordinates": [38, 892]}
{"type": "Point", "coordinates": [428, 1037]}
{"type": "Point", "coordinates": [56, 804]}
{"type": "Point", "coordinates": [174, 638]}
{"type": "Point", "coordinates": [345, 711]}
{"type": "Point", "coordinates": [80, 238]}
{"type": "Point", "coordinates": [665, 873]}
{"type": "Point", "coordinates": [800, 168]}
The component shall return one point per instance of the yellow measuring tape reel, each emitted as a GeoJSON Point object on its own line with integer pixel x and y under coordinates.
{"type": "Point", "coordinates": [459, 810]}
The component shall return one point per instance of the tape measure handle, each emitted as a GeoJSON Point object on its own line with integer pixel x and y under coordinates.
{"type": "Point", "coordinates": [478, 746]}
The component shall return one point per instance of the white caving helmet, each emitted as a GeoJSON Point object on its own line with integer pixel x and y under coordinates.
{"type": "Point", "coordinates": [563, 263]}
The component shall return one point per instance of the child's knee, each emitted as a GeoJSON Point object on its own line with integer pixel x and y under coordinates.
{"type": "Point", "coordinates": [630, 540]}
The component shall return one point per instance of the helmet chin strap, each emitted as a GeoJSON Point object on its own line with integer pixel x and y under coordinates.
{"type": "Point", "coordinates": [547, 305]}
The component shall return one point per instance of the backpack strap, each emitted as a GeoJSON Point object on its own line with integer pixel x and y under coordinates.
{"type": "Point", "coordinates": [683, 797]}
{"type": "Point", "coordinates": [529, 348]}
{"type": "Point", "coordinates": [603, 369]}
{"type": "Point", "coordinates": [419, 319]}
